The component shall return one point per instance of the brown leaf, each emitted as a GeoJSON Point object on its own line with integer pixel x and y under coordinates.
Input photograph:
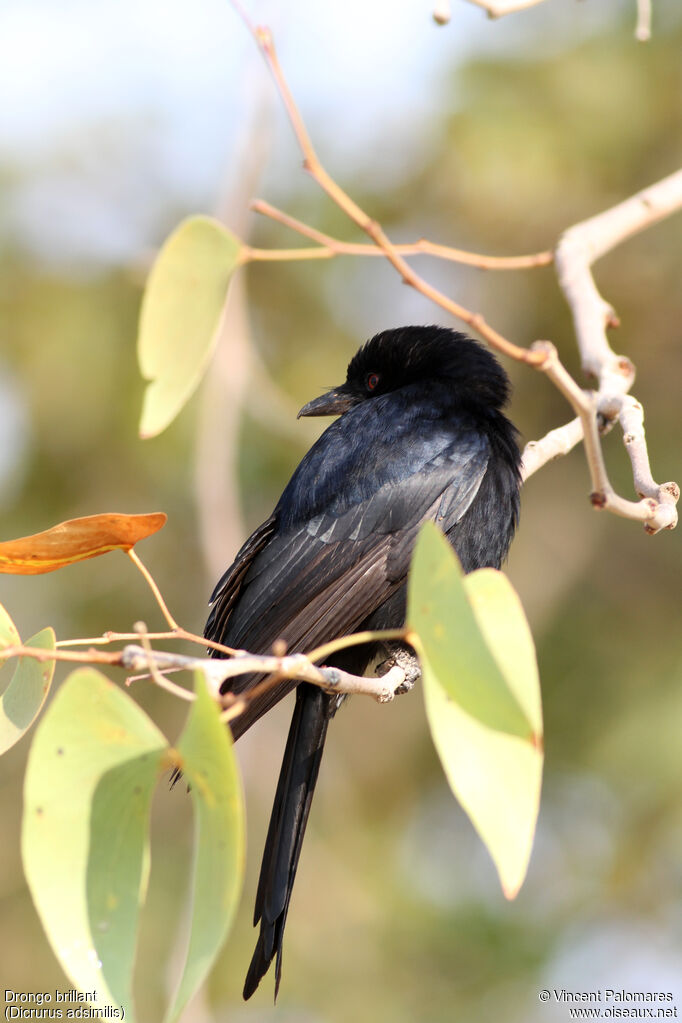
{"type": "Point", "coordinates": [76, 540]}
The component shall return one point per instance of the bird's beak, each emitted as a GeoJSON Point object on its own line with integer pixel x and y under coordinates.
{"type": "Point", "coordinates": [333, 403]}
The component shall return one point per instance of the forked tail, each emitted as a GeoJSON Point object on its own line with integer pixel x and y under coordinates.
{"type": "Point", "coordinates": [290, 810]}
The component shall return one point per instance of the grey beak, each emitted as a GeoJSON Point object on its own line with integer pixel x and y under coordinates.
{"type": "Point", "coordinates": [333, 403]}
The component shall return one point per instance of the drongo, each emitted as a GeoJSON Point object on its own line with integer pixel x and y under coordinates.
{"type": "Point", "coordinates": [420, 435]}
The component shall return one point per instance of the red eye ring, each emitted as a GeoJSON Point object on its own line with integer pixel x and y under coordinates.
{"type": "Point", "coordinates": [372, 381]}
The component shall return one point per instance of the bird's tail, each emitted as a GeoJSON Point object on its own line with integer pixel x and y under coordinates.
{"type": "Point", "coordinates": [290, 810]}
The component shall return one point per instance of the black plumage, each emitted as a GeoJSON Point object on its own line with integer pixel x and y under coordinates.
{"type": "Point", "coordinates": [421, 435]}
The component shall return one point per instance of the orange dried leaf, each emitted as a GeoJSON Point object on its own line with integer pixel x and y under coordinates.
{"type": "Point", "coordinates": [76, 540]}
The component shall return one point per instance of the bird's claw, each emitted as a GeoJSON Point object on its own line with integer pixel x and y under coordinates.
{"type": "Point", "coordinates": [402, 657]}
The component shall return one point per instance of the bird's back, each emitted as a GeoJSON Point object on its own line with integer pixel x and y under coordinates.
{"type": "Point", "coordinates": [336, 552]}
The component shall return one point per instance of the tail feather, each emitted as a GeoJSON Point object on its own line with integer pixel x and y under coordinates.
{"type": "Point", "coordinates": [291, 807]}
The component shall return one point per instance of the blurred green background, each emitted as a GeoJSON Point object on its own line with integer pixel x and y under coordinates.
{"type": "Point", "coordinates": [493, 136]}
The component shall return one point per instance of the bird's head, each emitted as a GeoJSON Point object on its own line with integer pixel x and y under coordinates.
{"type": "Point", "coordinates": [395, 358]}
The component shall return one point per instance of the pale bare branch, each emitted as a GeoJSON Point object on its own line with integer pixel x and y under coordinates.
{"type": "Point", "coordinates": [557, 442]}
{"type": "Point", "coordinates": [498, 8]}
{"type": "Point", "coordinates": [579, 247]}
{"type": "Point", "coordinates": [313, 165]}
{"type": "Point", "coordinates": [643, 27]}
{"type": "Point", "coordinates": [290, 666]}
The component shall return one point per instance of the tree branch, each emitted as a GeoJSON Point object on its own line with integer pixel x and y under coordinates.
{"type": "Point", "coordinates": [555, 443]}
{"type": "Point", "coordinates": [643, 27]}
{"type": "Point", "coordinates": [312, 164]}
{"type": "Point", "coordinates": [291, 666]}
{"type": "Point", "coordinates": [498, 8]}
{"type": "Point", "coordinates": [330, 247]}
{"type": "Point", "coordinates": [579, 247]}
{"type": "Point", "coordinates": [154, 664]}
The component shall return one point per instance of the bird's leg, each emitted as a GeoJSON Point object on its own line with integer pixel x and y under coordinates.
{"type": "Point", "coordinates": [403, 657]}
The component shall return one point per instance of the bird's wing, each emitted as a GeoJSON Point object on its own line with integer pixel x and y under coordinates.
{"type": "Point", "coordinates": [228, 587]}
{"type": "Point", "coordinates": [322, 579]}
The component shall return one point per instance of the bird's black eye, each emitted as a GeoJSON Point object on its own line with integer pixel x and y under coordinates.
{"type": "Point", "coordinates": [372, 381]}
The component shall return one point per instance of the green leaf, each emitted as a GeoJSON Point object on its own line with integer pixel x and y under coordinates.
{"type": "Point", "coordinates": [505, 628]}
{"type": "Point", "coordinates": [210, 767]}
{"type": "Point", "coordinates": [181, 315]}
{"type": "Point", "coordinates": [496, 777]}
{"type": "Point", "coordinates": [449, 638]}
{"type": "Point", "coordinates": [89, 782]}
{"type": "Point", "coordinates": [9, 635]}
{"type": "Point", "coordinates": [24, 697]}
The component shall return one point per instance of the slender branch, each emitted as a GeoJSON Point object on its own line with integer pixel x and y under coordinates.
{"type": "Point", "coordinates": [321, 653]}
{"type": "Point", "coordinates": [555, 443]}
{"type": "Point", "coordinates": [330, 247]}
{"type": "Point", "coordinates": [73, 656]}
{"type": "Point", "coordinates": [276, 666]}
{"type": "Point", "coordinates": [581, 245]}
{"type": "Point", "coordinates": [312, 164]}
{"type": "Point", "coordinates": [291, 666]}
{"type": "Point", "coordinates": [177, 633]}
{"type": "Point", "coordinates": [113, 637]}
{"type": "Point", "coordinates": [157, 677]}
{"type": "Point", "coordinates": [498, 8]}
{"type": "Point", "coordinates": [153, 587]}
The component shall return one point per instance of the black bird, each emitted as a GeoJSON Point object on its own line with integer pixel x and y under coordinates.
{"type": "Point", "coordinates": [420, 435]}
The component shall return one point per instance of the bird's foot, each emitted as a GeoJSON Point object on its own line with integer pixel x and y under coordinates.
{"type": "Point", "coordinates": [404, 658]}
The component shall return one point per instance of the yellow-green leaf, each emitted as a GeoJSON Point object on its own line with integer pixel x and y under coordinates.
{"type": "Point", "coordinates": [181, 314]}
{"type": "Point", "coordinates": [495, 774]}
{"type": "Point", "coordinates": [495, 777]}
{"type": "Point", "coordinates": [9, 635]}
{"type": "Point", "coordinates": [440, 614]}
{"type": "Point", "coordinates": [24, 697]}
{"type": "Point", "coordinates": [90, 777]}
{"type": "Point", "coordinates": [209, 764]}
{"type": "Point", "coordinates": [505, 628]}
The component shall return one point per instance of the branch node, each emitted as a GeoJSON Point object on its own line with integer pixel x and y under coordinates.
{"type": "Point", "coordinates": [548, 350]}
{"type": "Point", "coordinates": [625, 367]}
{"type": "Point", "coordinates": [598, 499]}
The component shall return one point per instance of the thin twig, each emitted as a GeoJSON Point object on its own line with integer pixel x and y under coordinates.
{"type": "Point", "coordinates": [72, 656]}
{"type": "Point", "coordinates": [160, 680]}
{"type": "Point", "coordinates": [557, 442]}
{"type": "Point", "coordinates": [312, 164]}
{"type": "Point", "coordinates": [321, 653]}
{"type": "Point", "coordinates": [177, 633]}
{"type": "Point", "coordinates": [290, 666]}
{"type": "Point", "coordinates": [330, 247]}
{"type": "Point", "coordinates": [113, 637]}
{"type": "Point", "coordinates": [498, 8]}
{"type": "Point", "coordinates": [153, 587]}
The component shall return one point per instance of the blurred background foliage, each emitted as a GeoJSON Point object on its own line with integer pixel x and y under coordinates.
{"type": "Point", "coordinates": [518, 129]}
